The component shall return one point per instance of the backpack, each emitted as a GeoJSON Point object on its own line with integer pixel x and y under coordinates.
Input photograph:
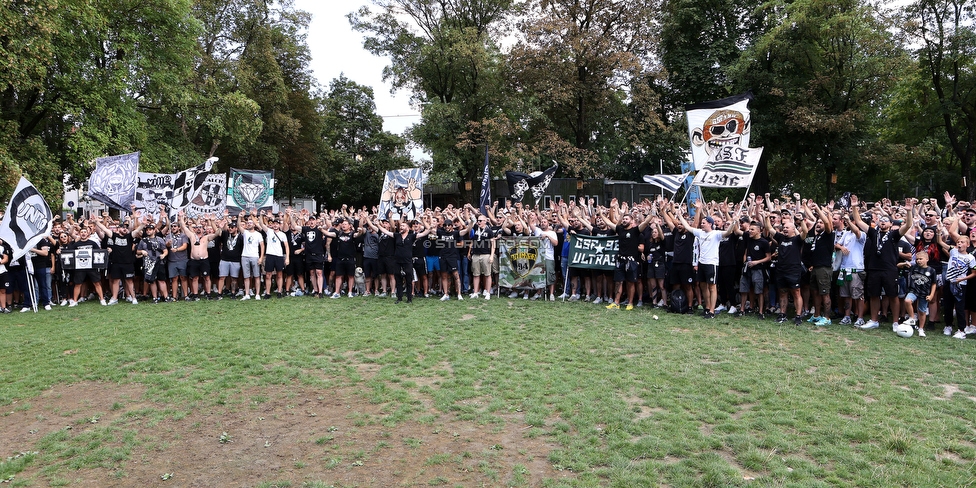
{"type": "Point", "coordinates": [677, 301]}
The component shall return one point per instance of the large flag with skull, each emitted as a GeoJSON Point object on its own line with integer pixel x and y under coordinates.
{"type": "Point", "coordinates": [113, 182]}
{"type": "Point", "coordinates": [153, 190]}
{"type": "Point", "coordinates": [187, 183]}
{"type": "Point", "coordinates": [719, 131]}
{"type": "Point", "coordinates": [403, 194]}
{"type": "Point", "coordinates": [250, 189]}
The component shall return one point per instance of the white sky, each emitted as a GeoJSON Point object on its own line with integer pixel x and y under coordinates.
{"type": "Point", "coordinates": [337, 49]}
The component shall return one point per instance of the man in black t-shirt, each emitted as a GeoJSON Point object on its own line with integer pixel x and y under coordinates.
{"type": "Point", "coordinates": [789, 266]}
{"type": "Point", "coordinates": [629, 235]}
{"type": "Point", "coordinates": [120, 239]}
{"type": "Point", "coordinates": [881, 262]}
{"type": "Point", "coordinates": [821, 248]}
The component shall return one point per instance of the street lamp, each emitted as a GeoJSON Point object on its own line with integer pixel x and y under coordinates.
{"type": "Point", "coordinates": [888, 189]}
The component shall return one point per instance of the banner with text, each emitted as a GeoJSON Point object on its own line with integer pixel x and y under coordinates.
{"type": "Point", "coordinates": [591, 252]}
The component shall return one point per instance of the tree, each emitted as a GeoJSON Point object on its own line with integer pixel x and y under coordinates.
{"type": "Point", "coordinates": [944, 32]}
{"type": "Point", "coordinates": [445, 53]}
{"type": "Point", "coordinates": [821, 77]}
{"type": "Point", "coordinates": [355, 149]}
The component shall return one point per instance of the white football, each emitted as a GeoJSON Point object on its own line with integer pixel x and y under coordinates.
{"type": "Point", "coordinates": [905, 330]}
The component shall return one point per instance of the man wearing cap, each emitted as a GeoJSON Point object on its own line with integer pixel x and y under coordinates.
{"type": "Point", "coordinates": [121, 245]}
{"type": "Point", "coordinates": [276, 253]}
{"type": "Point", "coordinates": [152, 250]}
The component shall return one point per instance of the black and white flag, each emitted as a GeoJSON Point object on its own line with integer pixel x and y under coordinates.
{"type": "Point", "coordinates": [537, 182]}
{"type": "Point", "coordinates": [28, 219]}
{"type": "Point", "coordinates": [187, 184]}
{"type": "Point", "coordinates": [671, 183]}
{"type": "Point", "coordinates": [114, 180]}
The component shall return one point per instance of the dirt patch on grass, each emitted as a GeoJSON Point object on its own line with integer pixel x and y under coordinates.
{"type": "Point", "coordinates": [289, 434]}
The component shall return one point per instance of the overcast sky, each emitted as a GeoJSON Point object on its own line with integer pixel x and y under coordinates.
{"type": "Point", "coordinates": [337, 49]}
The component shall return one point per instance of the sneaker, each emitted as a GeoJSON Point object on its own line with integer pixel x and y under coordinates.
{"type": "Point", "coordinates": [708, 315]}
{"type": "Point", "coordinates": [552, 298]}
{"type": "Point", "coordinates": [598, 301]}
{"type": "Point", "coordinates": [246, 297]}
{"type": "Point", "coordinates": [859, 322]}
{"type": "Point", "coordinates": [445, 298]}
{"type": "Point", "coordinates": [460, 298]}
{"type": "Point", "coordinates": [47, 307]}
{"type": "Point", "coordinates": [613, 306]}
{"type": "Point", "coordinates": [894, 326]}
{"type": "Point", "coordinates": [630, 307]}
{"type": "Point", "coordinates": [525, 296]}
{"type": "Point", "coordinates": [761, 316]}
{"type": "Point", "coordinates": [947, 330]}
{"type": "Point", "coordinates": [910, 321]}
{"type": "Point", "coordinates": [72, 303]}
{"type": "Point", "coordinates": [487, 294]}
{"type": "Point", "coordinates": [846, 320]}
{"type": "Point", "coordinates": [733, 310]}
{"type": "Point", "coordinates": [959, 335]}
{"type": "Point", "coordinates": [563, 296]}
{"type": "Point", "coordinates": [64, 303]}
{"type": "Point", "coordinates": [781, 318]}
{"type": "Point", "coordinates": [514, 294]}
{"type": "Point", "coordinates": [574, 298]}
{"type": "Point", "coordinates": [336, 295]}
{"type": "Point", "coordinates": [871, 324]}
{"type": "Point", "coordinates": [474, 295]}
{"type": "Point", "coordinates": [813, 319]}
{"type": "Point", "coordinates": [240, 293]}
{"type": "Point", "coordinates": [921, 332]}
{"type": "Point", "coordinates": [102, 301]}
{"type": "Point", "coordinates": [134, 301]}
{"type": "Point", "coordinates": [536, 296]}
{"type": "Point", "coordinates": [113, 301]}
{"type": "Point", "coordinates": [798, 320]}
{"type": "Point", "coordinates": [352, 294]}
{"type": "Point", "coordinates": [823, 322]}
{"type": "Point", "coordinates": [970, 329]}
{"type": "Point", "coordinates": [170, 299]}
{"type": "Point", "coordinates": [257, 297]}
{"type": "Point", "coordinates": [25, 309]}
{"type": "Point", "coordinates": [381, 295]}
{"type": "Point", "coordinates": [721, 308]}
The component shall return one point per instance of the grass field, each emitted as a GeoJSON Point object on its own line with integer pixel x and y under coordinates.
{"type": "Point", "coordinates": [622, 399]}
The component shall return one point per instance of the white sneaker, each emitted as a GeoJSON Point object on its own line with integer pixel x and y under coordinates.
{"type": "Point", "coordinates": [720, 308]}
{"type": "Point", "coordinates": [487, 294]}
{"type": "Point", "coordinates": [351, 294]}
{"type": "Point", "coordinates": [910, 322]}
{"type": "Point", "coordinates": [72, 303]}
{"type": "Point", "coordinates": [460, 298]}
{"type": "Point", "coordinates": [64, 303]}
{"type": "Point", "coordinates": [240, 293]}
{"type": "Point", "coordinates": [102, 301]}
{"type": "Point", "coordinates": [536, 296]}
{"type": "Point", "coordinates": [959, 335]}
{"type": "Point", "coordinates": [563, 296]}
{"type": "Point", "coordinates": [871, 324]}
{"type": "Point", "coordinates": [525, 296]}
{"type": "Point", "coordinates": [598, 301]}
{"type": "Point", "coordinates": [445, 298]}
{"type": "Point", "coordinates": [474, 295]}
{"type": "Point", "coordinates": [947, 330]}
{"type": "Point", "coordinates": [859, 322]}
{"type": "Point", "coordinates": [552, 297]}
{"type": "Point", "coordinates": [25, 309]}
{"type": "Point", "coordinates": [134, 301]}
{"type": "Point", "coordinates": [970, 329]}
{"type": "Point", "coordinates": [113, 301]}
{"type": "Point", "coordinates": [47, 307]}
{"type": "Point", "coordinates": [336, 295]}
{"type": "Point", "coordinates": [921, 332]}
{"type": "Point", "coordinates": [514, 294]}
{"type": "Point", "coordinates": [732, 310]}
{"type": "Point", "coordinates": [574, 298]}
{"type": "Point", "coordinates": [246, 297]}
{"type": "Point", "coordinates": [894, 326]}
{"type": "Point", "coordinates": [258, 296]}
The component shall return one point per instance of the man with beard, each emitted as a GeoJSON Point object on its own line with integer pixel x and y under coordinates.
{"type": "Point", "coordinates": [121, 262]}
{"type": "Point", "coordinates": [789, 265]}
{"type": "Point", "coordinates": [85, 241]}
{"type": "Point", "coordinates": [345, 254]}
{"type": "Point", "coordinates": [821, 246]}
{"type": "Point", "coordinates": [152, 250]}
{"type": "Point", "coordinates": [881, 263]}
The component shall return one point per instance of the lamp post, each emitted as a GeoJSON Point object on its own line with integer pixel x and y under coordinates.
{"type": "Point", "coordinates": [888, 189]}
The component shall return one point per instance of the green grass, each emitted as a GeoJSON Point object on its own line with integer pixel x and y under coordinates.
{"type": "Point", "coordinates": [628, 400]}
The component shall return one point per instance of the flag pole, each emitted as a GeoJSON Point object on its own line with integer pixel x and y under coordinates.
{"type": "Point", "coordinates": [32, 289]}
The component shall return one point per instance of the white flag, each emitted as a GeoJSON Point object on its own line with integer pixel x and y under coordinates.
{"type": "Point", "coordinates": [28, 219]}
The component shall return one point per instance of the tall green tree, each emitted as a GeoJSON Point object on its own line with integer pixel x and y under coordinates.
{"type": "Point", "coordinates": [944, 33]}
{"type": "Point", "coordinates": [446, 53]}
{"type": "Point", "coordinates": [821, 77]}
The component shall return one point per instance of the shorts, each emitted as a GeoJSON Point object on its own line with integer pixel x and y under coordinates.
{"type": "Point", "coordinates": [921, 304]}
{"type": "Point", "coordinates": [656, 270]}
{"type": "Point", "coordinates": [433, 263]}
{"type": "Point", "coordinates": [682, 274]}
{"type": "Point", "coordinates": [176, 268]}
{"type": "Point", "coordinates": [706, 273]}
{"type": "Point", "coordinates": [5, 282]}
{"type": "Point", "coordinates": [296, 266]}
{"type": "Point", "coordinates": [481, 265]}
{"type": "Point", "coordinates": [80, 276]}
{"type": "Point", "coordinates": [315, 261]}
{"type": "Point", "coordinates": [788, 278]}
{"type": "Point", "coordinates": [753, 280]}
{"type": "Point", "coordinates": [273, 264]}
{"type": "Point", "coordinates": [550, 272]}
{"type": "Point", "coordinates": [419, 267]}
{"type": "Point", "coordinates": [853, 288]}
{"type": "Point", "coordinates": [820, 280]}
{"type": "Point", "coordinates": [229, 268]}
{"type": "Point", "coordinates": [371, 267]}
{"type": "Point", "coordinates": [625, 270]}
{"type": "Point", "coordinates": [388, 266]}
{"type": "Point", "coordinates": [198, 267]}
{"type": "Point", "coordinates": [345, 267]}
{"type": "Point", "coordinates": [881, 280]}
{"type": "Point", "coordinates": [449, 265]}
{"type": "Point", "coordinates": [119, 271]}
{"type": "Point", "coordinates": [250, 267]}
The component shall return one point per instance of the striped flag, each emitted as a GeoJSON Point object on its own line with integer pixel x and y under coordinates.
{"type": "Point", "coordinates": [670, 183]}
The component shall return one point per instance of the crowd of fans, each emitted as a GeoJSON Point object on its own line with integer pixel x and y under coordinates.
{"type": "Point", "coordinates": [790, 259]}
